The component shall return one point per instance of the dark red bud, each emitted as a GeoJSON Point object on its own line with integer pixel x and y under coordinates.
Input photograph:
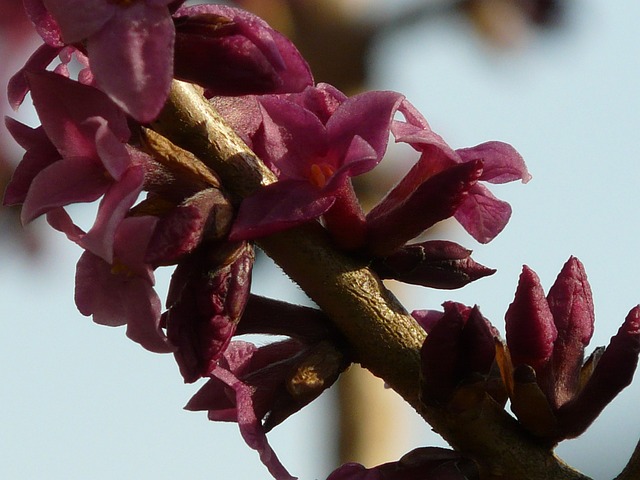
{"type": "Point", "coordinates": [436, 264]}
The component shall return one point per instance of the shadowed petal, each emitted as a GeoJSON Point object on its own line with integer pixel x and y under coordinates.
{"type": "Point", "coordinates": [276, 207]}
{"type": "Point", "coordinates": [132, 59]}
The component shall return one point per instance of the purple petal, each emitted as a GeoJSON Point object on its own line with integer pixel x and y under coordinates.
{"type": "Point", "coordinates": [67, 181]}
{"type": "Point", "coordinates": [39, 155]}
{"type": "Point", "coordinates": [294, 138]}
{"type": "Point", "coordinates": [502, 163]}
{"type": "Point", "coordinates": [398, 219]}
{"type": "Point", "coordinates": [116, 299]}
{"type": "Point", "coordinates": [482, 214]}
{"type": "Point", "coordinates": [531, 331]}
{"type": "Point", "coordinates": [64, 106]}
{"type": "Point", "coordinates": [367, 115]}
{"type": "Point", "coordinates": [18, 86]}
{"type": "Point", "coordinates": [131, 58]}
{"type": "Point", "coordinates": [114, 206]}
{"type": "Point", "coordinates": [79, 19]}
{"type": "Point", "coordinates": [250, 427]}
{"type": "Point", "coordinates": [277, 207]}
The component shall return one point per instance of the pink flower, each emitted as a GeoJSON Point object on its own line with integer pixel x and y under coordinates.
{"type": "Point", "coordinates": [84, 158]}
{"type": "Point", "coordinates": [475, 208]}
{"type": "Point", "coordinates": [119, 292]}
{"type": "Point", "coordinates": [130, 46]}
{"type": "Point", "coordinates": [314, 156]}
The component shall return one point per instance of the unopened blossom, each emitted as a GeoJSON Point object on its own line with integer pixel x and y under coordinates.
{"type": "Point", "coordinates": [460, 344]}
{"type": "Point", "coordinates": [230, 51]}
{"type": "Point", "coordinates": [434, 263]}
{"type": "Point", "coordinates": [554, 393]}
{"type": "Point", "coordinates": [206, 299]}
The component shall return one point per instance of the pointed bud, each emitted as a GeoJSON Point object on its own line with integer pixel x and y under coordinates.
{"type": "Point", "coordinates": [436, 264]}
{"type": "Point", "coordinates": [613, 372]}
{"type": "Point", "coordinates": [572, 308]}
{"type": "Point", "coordinates": [206, 299]}
{"type": "Point", "coordinates": [531, 331]}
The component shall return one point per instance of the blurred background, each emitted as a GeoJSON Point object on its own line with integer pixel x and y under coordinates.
{"type": "Point", "coordinates": [558, 80]}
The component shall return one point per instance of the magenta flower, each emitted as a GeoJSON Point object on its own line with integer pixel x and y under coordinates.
{"type": "Point", "coordinates": [135, 46]}
{"type": "Point", "coordinates": [475, 208]}
{"type": "Point", "coordinates": [119, 292]}
{"type": "Point", "coordinates": [89, 158]}
{"type": "Point", "coordinates": [314, 159]}
{"type": "Point", "coordinates": [130, 45]}
{"type": "Point", "coordinates": [554, 393]}
{"type": "Point", "coordinates": [228, 398]}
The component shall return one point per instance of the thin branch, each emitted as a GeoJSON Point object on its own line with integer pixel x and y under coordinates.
{"type": "Point", "coordinates": [632, 470]}
{"type": "Point", "coordinates": [384, 338]}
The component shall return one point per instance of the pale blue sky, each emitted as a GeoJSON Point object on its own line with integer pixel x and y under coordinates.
{"type": "Point", "coordinates": [81, 401]}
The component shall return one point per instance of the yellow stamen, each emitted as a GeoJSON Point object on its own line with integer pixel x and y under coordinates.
{"type": "Point", "coordinates": [320, 173]}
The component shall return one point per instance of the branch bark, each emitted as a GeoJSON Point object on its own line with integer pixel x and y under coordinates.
{"type": "Point", "coordinates": [384, 338]}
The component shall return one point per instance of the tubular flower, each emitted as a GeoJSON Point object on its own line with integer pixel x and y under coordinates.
{"type": "Point", "coordinates": [260, 387]}
{"type": "Point", "coordinates": [135, 48]}
{"type": "Point", "coordinates": [457, 194]}
{"type": "Point", "coordinates": [554, 393]}
{"type": "Point", "coordinates": [314, 150]}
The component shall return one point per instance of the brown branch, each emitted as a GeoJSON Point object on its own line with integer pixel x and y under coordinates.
{"type": "Point", "coordinates": [632, 470]}
{"type": "Point", "coordinates": [384, 338]}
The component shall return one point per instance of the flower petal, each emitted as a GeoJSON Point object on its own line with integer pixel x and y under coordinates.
{"type": "Point", "coordinates": [132, 59]}
{"type": "Point", "coordinates": [502, 163]}
{"type": "Point", "coordinates": [277, 207]}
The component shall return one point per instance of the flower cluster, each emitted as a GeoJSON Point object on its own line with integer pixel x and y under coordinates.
{"type": "Point", "coordinates": [554, 392]}
{"type": "Point", "coordinates": [160, 205]}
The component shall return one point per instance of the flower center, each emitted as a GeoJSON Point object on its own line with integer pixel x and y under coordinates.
{"type": "Point", "coordinates": [320, 173]}
{"type": "Point", "coordinates": [119, 268]}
